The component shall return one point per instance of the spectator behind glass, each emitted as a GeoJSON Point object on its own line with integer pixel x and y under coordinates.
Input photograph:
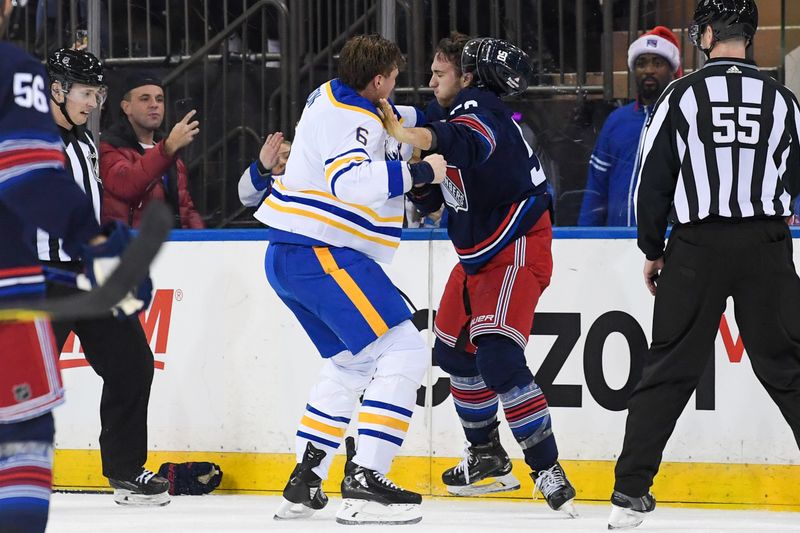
{"type": "Point", "coordinates": [654, 60]}
{"type": "Point", "coordinates": [137, 164]}
{"type": "Point", "coordinates": [256, 183]}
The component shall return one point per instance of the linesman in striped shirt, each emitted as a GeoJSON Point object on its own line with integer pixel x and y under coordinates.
{"type": "Point", "coordinates": [723, 150]}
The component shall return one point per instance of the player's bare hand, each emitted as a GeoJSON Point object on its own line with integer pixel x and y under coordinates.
{"type": "Point", "coordinates": [269, 152]}
{"type": "Point", "coordinates": [652, 269]}
{"type": "Point", "coordinates": [389, 119]}
{"type": "Point", "coordinates": [439, 166]}
{"type": "Point", "coordinates": [182, 133]}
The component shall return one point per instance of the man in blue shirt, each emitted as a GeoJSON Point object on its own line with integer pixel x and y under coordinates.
{"type": "Point", "coordinates": [654, 59]}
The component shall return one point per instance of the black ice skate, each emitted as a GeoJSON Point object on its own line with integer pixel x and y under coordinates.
{"type": "Point", "coordinates": [303, 492]}
{"type": "Point", "coordinates": [146, 488]}
{"type": "Point", "coordinates": [485, 468]}
{"type": "Point", "coordinates": [628, 512]}
{"type": "Point", "coordinates": [368, 497]}
{"type": "Point", "coordinates": [556, 488]}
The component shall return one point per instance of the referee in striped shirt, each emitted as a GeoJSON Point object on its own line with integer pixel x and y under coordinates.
{"type": "Point", "coordinates": [722, 150]}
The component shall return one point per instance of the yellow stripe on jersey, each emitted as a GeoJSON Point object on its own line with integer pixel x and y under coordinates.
{"type": "Point", "coordinates": [324, 428]}
{"type": "Point", "coordinates": [339, 104]}
{"type": "Point", "coordinates": [352, 290]}
{"type": "Point", "coordinates": [341, 162]}
{"type": "Point", "coordinates": [388, 421]}
{"type": "Point", "coordinates": [364, 209]}
{"type": "Point", "coordinates": [338, 225]}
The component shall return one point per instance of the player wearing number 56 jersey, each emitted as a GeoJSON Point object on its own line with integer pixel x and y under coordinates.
{"type": "Point", "coordinates": [336, 211]}
{"type": "Point", "coordinates": [34, 192]}
{"type": "Point", "coordinates": [723, 151]}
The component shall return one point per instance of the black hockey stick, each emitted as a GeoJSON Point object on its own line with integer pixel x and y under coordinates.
{"type": "Point", "coordinates": [133, 268]}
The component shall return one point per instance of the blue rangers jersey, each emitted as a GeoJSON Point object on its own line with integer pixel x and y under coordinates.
{"type": "Point", "coordinates": [495, 189]}
{"type": "Point", "coordinates": [34, 189]}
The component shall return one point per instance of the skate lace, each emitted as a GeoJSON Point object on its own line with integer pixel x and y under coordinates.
{"type": "Point", "coordinates": [386, 481]}
{"type": "Point", "coordinates": [463, 466]}
{"type": "Point", "coordinates": [550, 480]}
{"type": "Point", "coordinates": [144, 477]}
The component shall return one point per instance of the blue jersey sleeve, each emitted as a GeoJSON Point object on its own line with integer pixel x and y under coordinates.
{"type": "Point", "coordinates": [33, 183]}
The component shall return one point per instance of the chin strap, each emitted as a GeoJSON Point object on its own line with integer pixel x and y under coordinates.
{"type": "Point", "coordinates": [63, 105]}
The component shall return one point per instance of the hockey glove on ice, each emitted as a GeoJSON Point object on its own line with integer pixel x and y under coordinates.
{"type": "Point", "coordinates": [191, 478]}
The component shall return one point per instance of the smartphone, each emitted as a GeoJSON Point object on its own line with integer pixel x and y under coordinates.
{"type": "Point", "coordinates": [183, 106]}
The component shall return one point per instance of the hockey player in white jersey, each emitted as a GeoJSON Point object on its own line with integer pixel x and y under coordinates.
{"type": "Point", "coordinates": [336, 211]}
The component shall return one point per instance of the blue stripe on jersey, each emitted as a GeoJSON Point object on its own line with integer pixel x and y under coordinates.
{"type": "Point", "coordinates": [319, 440]}
{"type": "Point", "coordinates": [343, 213]}
{"type": "Point", "coordinates": [396, 184]}
{"type": "Point", "coordinates": [387, 407]}
{"type": "Point", "coordinates": [36, 135]}
{"type": "Point", "coordinates": [381, 435]}
{"type": "Point", "coordinates": [259, 182]}
{"type": "Point", "coordinates": [342, 171]}
{"type": "Point", "coordinates": [22, 290]}
{"type": "Point", "coordinates": [354, 150]}
{"type": "Point", "coordinates": [329, 417]}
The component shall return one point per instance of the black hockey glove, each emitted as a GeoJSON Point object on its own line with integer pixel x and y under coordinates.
{"type": "Point", "coordinates": [191, 478]}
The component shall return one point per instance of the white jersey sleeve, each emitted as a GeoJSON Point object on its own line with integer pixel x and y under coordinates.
{"type": "Point", "coordinates": [356, 169]}
{"type": "Point", "coordinates": [253, 187]}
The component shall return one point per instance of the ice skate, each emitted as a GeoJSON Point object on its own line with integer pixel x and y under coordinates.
{"type": "Point", "coordinates": [303, 493]}
{"type": "Point", "coordinates": [556, 488]}
{"type": "Point", "coordinates": [628, 512]}
{"type": "Point", "coordinates": [369, 497]}
{"type": "Point", "coordinates": [484, 469]}
{"type": "Point", "coordinates": [146, 488]}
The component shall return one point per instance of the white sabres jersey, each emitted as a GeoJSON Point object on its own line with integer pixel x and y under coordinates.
{"type": "Point", "coordinates": [345, 178]}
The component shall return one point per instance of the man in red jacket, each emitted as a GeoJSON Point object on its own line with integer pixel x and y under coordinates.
{"type": "Point", "coordinates": [138, 165]}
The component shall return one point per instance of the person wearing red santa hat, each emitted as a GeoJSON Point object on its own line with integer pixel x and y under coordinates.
{"type": "Point", "coordinates": [654, 59]}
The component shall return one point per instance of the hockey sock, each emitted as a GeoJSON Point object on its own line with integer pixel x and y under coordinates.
{"type": "Point", "coordinates": [476, 406]}
{"type": "Point", "coordinates": [389, 400]}
{"type": "Point", "coordinates": [26, 475]}
{"type": "Point", "coordinates": [383, 421]}
{"type": "Point", "coordinates": [330, 405]}
{"type": "Point", "coordinates": [529, 419]}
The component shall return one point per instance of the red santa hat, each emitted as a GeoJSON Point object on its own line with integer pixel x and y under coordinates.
{"type": "Point", "coordinates": [660, 41]}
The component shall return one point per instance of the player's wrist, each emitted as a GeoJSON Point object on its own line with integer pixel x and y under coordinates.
{"type": "Point", "coordinates": [262, 168]}
{"type": "Point", "coordinates": [421, 173]}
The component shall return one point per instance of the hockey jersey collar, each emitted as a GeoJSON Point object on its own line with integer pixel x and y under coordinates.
{"type": "Point", "coordinates": [737, 61]}
{"type": "Point", "coordinates": [346, 97]}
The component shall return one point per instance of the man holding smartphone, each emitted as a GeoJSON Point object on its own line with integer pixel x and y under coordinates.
{"type": "Point", "coordinates": [139, 163]}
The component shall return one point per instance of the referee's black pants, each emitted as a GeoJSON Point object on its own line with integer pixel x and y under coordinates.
{"type": "Point", "coordinates": [704, 264]}
{"type": "Point", "coordinates": [119, 353]}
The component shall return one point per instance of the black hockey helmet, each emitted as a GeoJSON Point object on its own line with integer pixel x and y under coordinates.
{"type": "Point", "coordinates": [497, 65]}
{"type": "Point", "coordinates": [728, 19]}
{"type": "Point", "coordinates": [75, 66]}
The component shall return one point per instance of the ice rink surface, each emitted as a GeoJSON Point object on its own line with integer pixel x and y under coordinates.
{"type": "Point", "coordinates": [97, 513]}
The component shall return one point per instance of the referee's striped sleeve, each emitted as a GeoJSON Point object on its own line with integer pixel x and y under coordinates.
{"type": "Point", "coordinates": [658, 170]}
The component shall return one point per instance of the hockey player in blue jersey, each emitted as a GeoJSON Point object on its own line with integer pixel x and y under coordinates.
{"type": "Point", "coordinates": [34, 192]}
{"type": "Point", "coordinates": [499, 222]}
{"type": "Point", "coordinates": [336, 210]}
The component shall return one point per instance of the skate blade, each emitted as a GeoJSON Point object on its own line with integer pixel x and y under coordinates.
{"type": "Point", "coordinates": [486, 486]}
{"type": "Point", "coordinates": [568, 508]}
{"type": "Point", "coordinates": [126, 497]}
{"type": "Point", "coordinates": [622, 518]}
{"type": "Point", "coordinates": [290, 511]}
{"type": "Point", "coordinates": [358, 512]}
